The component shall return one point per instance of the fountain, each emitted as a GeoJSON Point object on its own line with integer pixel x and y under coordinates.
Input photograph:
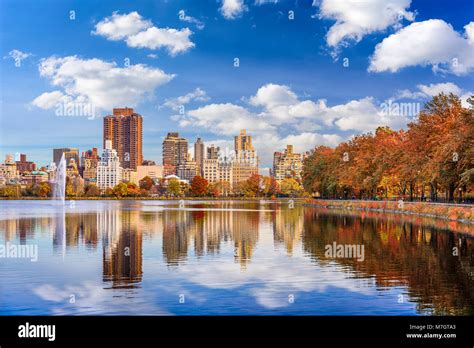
{"type": "Point", "coordinates": [59, 184]}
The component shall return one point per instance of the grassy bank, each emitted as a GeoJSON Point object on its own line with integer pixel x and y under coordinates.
{"type": "Point", "coordinates": [452, 212]}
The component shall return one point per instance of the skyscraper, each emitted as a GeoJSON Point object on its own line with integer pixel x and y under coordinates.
{"type": "Point", "coordinates": [109, 172]}
{"type": "Point", "coordinates": [245, 163]}
{"type": "Point", "coordinates": [213, 152]}
{"type": "Point", "coordinates": [287, 164]}
{"type": "Point", "coordinates": [175, 152]}
{"type": "Point", "coordinates": [124, 129]}
{"type": "Point", "coordinates": [199, 154]}
{"type": "Point", "coordinates": [243, 142]}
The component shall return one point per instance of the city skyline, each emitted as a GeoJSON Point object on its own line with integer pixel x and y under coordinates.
{"type": "Point", "coordinates": [228, 69]}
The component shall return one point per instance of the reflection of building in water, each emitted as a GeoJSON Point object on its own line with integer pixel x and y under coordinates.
{"type": "Point", "coordinates": [245, 235]}
{"type": "Point", "coordinates": [58, 225]}
{"type": "Point", "coordinates": [217, 227]}
{"type": "Point", "coordinates": [122, 246]}
{"type": "Point", "coordinates": [207, 230]}
{"type": "Point", "coordinates": [9, 228]}
{"type": "Point", "coordinates": [177, 226]}
{"type": "Point", "coordinates": [25, 229]}
{"type": "Point", "coordinates": [21, 228]}
{"type": "Point", "coordinates": [288, 227]}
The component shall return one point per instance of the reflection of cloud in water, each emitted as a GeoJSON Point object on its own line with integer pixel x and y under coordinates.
{"type": "Point", "coordinates": [91, 298]}
{"type": "Point", "coordinates": [271, 280]}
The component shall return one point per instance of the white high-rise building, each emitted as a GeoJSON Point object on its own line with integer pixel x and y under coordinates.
{"type": "Point", "coordinates": [109, 172]}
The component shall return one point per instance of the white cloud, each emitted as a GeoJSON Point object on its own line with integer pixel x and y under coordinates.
{"type": "Point", "coordinates": [272, 95]}
{"type": "Point", "coordinates": [119, 27]}
{"type": "Point", "coordinates": [49, 100]}
{"type": "Point", "coordinates": [469, 30]}
{"type": "Point", "coordinates": [232, 9]}
{"type": "Point", "coordinates": [175, 41]}
{"type": "Point", "coordinates": [432, 42]}
{"type": "Point", "coordinates": [98, 82]}
{"type": "Point", "coordinates": [364, 115]}
{"type": "Point", "coordinates": [197, 95]}
{"type": "Point", "coordinates": [281, 111]}
{"type": "Point", "coordinates": [226, 119]}
{"type": "Point", "coordinates": [464, 98]}
{"type": "Point", "coordinates": [185, 18]}
{"type": "Point", "coordinates": [17, 55]}
{"type": "Point", "coordinates": [282, 106]}
{"type": "Point", "coordinates": [427, 91]}
{"type": "Point", "coordinates": [356, 18]}
{"type": "Point", "coordinates": [138, 32]}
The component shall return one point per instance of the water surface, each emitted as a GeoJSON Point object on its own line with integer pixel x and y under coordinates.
{"type": "Point", "coordinates": [227, 258]}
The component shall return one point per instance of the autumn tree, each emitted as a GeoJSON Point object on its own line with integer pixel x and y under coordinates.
{"type": "Point", "coordinates": [270, 186]}
{"type": "Point", "coordinates": [120, 190]}
{"type": "Point", "coordinates": [253, 186]}
{"type": "Point", "coordinates": [133, 190]}
{"type": "Point", "coordinates": [91, 190]}
{"type": "Point", "coordinates": [199, 186]}
{"type": "Point", "coordinates": [146, 183]}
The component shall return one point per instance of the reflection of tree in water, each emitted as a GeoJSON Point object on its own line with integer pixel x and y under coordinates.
{"type": "Point", "coordinates": [415, 256]}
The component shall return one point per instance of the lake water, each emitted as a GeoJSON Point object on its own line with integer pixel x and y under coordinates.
{"type": "Point", "coordinates": [227, 258]}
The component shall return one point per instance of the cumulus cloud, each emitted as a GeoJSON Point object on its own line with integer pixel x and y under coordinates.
{"type": "Point", "coordinates": [433, 42]}
{"type": "Point", "coordinates": [49, 100]}
{"type": "Point", "coordinates": [197, 95]}
{"type": "Point", "coordinates": [356, 19]}
{"type": "Point", "coordinates": [364, 115]}
{"type": "Point", "coordinates": [185, 18]}
{"type": "Point", "coordinates": [232, 9]}
{"type": "Point", "coordinates": [425, 91]}
{"type": "Point", "coordinates": [226, 119]}
{"type": "Point", "coordinates": [99, 82]}
{"type": "Point", "coordinates": [279, 105]}
{"type": "Point", "coordinates": [428, 91]}
{"type": "Point", "coordinates": [140, 33]}
{"type": "Point", "coordinates": [282, 106]}
{"type": "Point", "coordinates": [276, 116]}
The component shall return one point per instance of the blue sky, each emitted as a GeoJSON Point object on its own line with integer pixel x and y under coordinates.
{"type": "Point", "coordinates": [316, 75]}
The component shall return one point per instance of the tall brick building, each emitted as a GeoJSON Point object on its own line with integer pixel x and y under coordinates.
{"type": "Point", "coordinates": [175, 152]}
{"type": "Point", "coordinates": [125, 128]}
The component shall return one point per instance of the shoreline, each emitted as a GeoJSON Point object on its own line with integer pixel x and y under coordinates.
{"type": "Point", "coordinates": [461, 213]}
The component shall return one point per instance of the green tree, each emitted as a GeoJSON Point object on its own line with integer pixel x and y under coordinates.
{"type": "Point", "coordinates": [174, 188]}
{"type": "Point", "coordinates": [43, 189]}
{"type": "Point", "coordinates": [291, 187]}
{"type": "Point", "coordinates": [120, 190]}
